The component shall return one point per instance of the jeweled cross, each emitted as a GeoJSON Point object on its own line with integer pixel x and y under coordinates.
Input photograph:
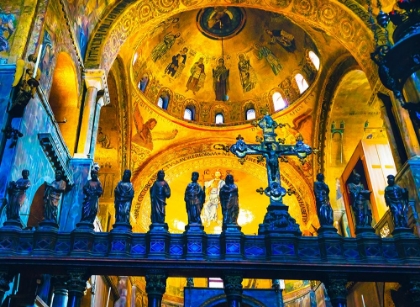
{"type": "Point", "coordinates": [272, 150]}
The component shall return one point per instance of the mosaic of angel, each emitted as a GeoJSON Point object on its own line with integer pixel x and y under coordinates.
{"type": "Point", "coordinates": [160, 49]}
{"type": "Point", "coordinates": [246, 73]}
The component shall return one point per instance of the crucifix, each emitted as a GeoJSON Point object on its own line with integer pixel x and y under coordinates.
{"type": "Point", "coordinates": [277, 218]}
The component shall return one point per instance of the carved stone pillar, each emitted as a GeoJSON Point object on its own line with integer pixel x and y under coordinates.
{"type": "Point", "coordinates": [232, 283]}
{"type": "Point", "coordinates": [5, 279]}
{"type": "Point", "coordinates": [337, 291]}
{"type": "Point", "coordinates": [155, 287]}
{"type": "Point", "coordinates": [61, 294]}
{"type": "Point", "coordinates": [76, 285]}
{"type": "Point", "coordinates": [96, 95]}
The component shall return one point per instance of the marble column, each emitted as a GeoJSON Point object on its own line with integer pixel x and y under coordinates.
{"type": "Point", "coordinates": [232, 283]}
{"type": "Point", "coordinates": [60, 291]}
{"type": "Point", "coordinates": [96, 91]}
{"type": "Point", "coordinates": [76, 285]}
{"type": "Point", "coordinates": [5, 279]}
{"type": "Point", "coordinates": [155, 287]}
{"type": "Point", "coordinates": [337, 291]}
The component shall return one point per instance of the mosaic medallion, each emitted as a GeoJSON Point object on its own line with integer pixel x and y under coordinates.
{"type": "Point", "coordinates": [221, 22]}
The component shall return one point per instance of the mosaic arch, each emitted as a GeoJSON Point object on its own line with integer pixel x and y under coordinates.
{"type": "Point", "coordinates": [196, 156]}
{"type": "Point", "coordinates": [330, 16]}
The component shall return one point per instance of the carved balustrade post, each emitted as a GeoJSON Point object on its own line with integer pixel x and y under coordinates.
{"type": "Point", "coordinates": [76, 285]}
{"type": "Point", "coordinates": [337, 291]}
{"type": "Point", "coordinates": [232, 283]}
{"type": "Point", "coordinates": [61, 293]}
{"type": "Point", "coordinates": [155, 287]}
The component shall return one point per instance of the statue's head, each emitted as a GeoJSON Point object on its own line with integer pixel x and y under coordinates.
{"type": "Point", "coordinates": [161, 175]}
{"type": "Point", "coordinates": [229, 179]}
{"type": "Point", "coordinates": [194, 176]}
{"type": "Point", "coordinates": [320, 177]}
{"type": "Point", "coordinates": [127, 175]}
{"type": "Point", "coordinates": [217, 174]}
{"type": "Point", "coordinates": [94, 174]}
{"type": "Point", "coordinates": [356, 178]}
{"type": "Point", "coordinates": [391, 179]}
{"type": "Point", "coordinates": [25, 174]}
{"type": "Point", "coordinates": [58, 175]}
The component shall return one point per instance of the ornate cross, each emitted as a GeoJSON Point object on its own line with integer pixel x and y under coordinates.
{"type": "Point", "coordinates": [272, 150]}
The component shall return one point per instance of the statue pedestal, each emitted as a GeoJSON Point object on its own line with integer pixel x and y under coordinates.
{"type": "Point", "coordinates": [195, 242]}
{"type": "Point", "coordinates": [122, 227]}
{"type": "Point", "coordinates": [157, 239]}
{"type": "Point", "coordinates": [407, 244]}
{"type": "Point", "coordinates": [45, 237]}
{"type": "Point", "coordinates": [10, 236]}
{"type": "Point", "coordinates": [368, 244]}
{"type": "Point", "coordinates": [277, 220]}
{"type": "Point", "coordinates": [330, 243]}
{"type": "Point", "coordinates": [232, 242]}
{"type": "Point", "coordinates": [82, 238]}
{"type": "Point", "coordinates": [120, 243]}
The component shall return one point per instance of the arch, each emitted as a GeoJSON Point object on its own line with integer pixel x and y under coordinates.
{"type": "Point", "coordinates": [301, 83]}
{"type": "Point", "coordinates": [36, 213]}
{"type": "Point", "coordinates": [219, 118]}
{"type": "Point", "coordinates": [250, 114]}
{"type": "Point", "coordinates": [354, 32]}
{"type": "Point", "coordinates": [314, 59]}
{"type": "Point", "coordinates": [164, 99]}
{"type": "Point", "coordinates": [64, 99]}
{"type": "Point", "coordinates": [278, 102]}
{"type": "Point", "coordinates": [189, 113]}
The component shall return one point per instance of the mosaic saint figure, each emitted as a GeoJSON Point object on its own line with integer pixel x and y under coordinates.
{"type": "Point", "coordinates": [221, 81]}
{"type": "Point", "coordinates": [220, 18]}
{"type": "Point", "coordinates": [92, 190]}
{"type": "Point", "coordinates": [194, 200]}
{"type": "Point", "coordinates": [163, 47]}
{"type": "Point", "coordinates": [264, 52]}
{"type": "Point", "coordinates": [359, 199]}
{"type": "Point", "coordinates": [124, 194]}
{"type": "Point", "coordinates": [175, 68]}
{"type": "Point", "coordinates": [7, 28]}
{"type": "Point", "coordinates": [246, 73]}
{"type": "Point", "coordinates": [396, 198]}
{"type": "Point", "coordinates": [196, 80]}
{"type": "Point", "coordinates": [212, 188]}
{"type": "Point", "coordinates": [17, 195]}
{"type": "Point", "coordinates": [52, 196]}
{"type": "Point", "coordinates": [323, 206]}
{"type": "Point", "coordinates": [229, 199]}
{"type": "Point", "coordinates": [159, 192]}
{"type": "Point", "coordinates": [283, 38]}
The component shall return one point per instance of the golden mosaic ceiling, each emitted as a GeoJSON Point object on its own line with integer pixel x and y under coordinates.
{"type": "Point", "coordinates": [230, 60]}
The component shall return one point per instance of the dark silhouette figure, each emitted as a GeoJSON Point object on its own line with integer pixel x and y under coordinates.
{"type": "Point", "coordinates": [323, 206]}
{"type": "Point", "coordinates": [159, 192]}
{"type": "Point", "coordinates": [359, 199]}
{"type": "Point", "coordinates": [194, 200]}
{"type": "Point", "coordinates": [396, 198]}
{"type": "Point", "coordinates": [229, 199]}
{"type": "Point", "coordinates": [52, 197]}
{"type": "Point", "coordinates": [124, 193]}
{"type": "Point", "coordinates": [92, 190]}
{"type": "Point", "coordinates": [17, 195]}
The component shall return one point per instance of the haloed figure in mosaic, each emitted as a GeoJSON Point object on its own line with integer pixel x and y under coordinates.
{"type": "Point", "coordinates": [124, 193]}
{"type": "Point", "coordinates": [194, 200]}
{"type": "Point", "coordinates": [159, 192]}
{"type": "Point", "coordinates": [52, 196]}
{"type": "Point", "coordinates": [92, 190]}
{"type": "Point", "coordinates": [17, 195]}
{"type": "Point", "coordinates": [396, 198]}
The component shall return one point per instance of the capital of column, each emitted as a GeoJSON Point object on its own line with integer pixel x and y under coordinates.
{"type": "Point", "coordinates": [76, 282]}
{"type": "Point", "coordinates": [5, 279]}
{"type": "Point", "coordinates": [337, 291]}
{"type": "Point", "coordinates": [97, 78]}
{"type": "Point", "coordinates": [156, 282]}
{"type": "Point", "coordinates": [232, 283]}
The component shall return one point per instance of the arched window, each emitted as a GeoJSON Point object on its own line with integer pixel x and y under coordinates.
{"type": "Point", "coordinates": [135, 58]}
{"type": "Point", "coordinates": [219, 119]}
{"type": "Point", "coordinates": [250, 114]}
{"type": "Point", "coordinates": [189, 114]}
{"type": "Point", "coordinates": [301, 82]}
{"type": "Point", "coordinates": [279, 102]}
{"type": "Point", "coordinates": [163, 101]}
{"type": "Point", "coordinates": [314, 58]}
{"type": "Point", "coordinates": [143, 82]}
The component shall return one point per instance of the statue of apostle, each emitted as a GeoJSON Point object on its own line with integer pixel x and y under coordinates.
{"type": "Point", "coordinates": [17, 195]}
{"type": "Point", "coordinates": [396, 198]}
{"type": "Point", "coordinates": [52, 196]}
{"type": "Point", "coordinates": [159, 192]}
{"type": "Point", "coordinates": [92, 190]}
{"type": "Point", "coordinates": [359, 199]}
{"type": "Point", "coordinates": [124, 194]}
{"type": "Point", "coordinates": [229, 199]}
{"type": "Point", "coordinates": [323, 206]}
{"type": "Point", "coordinates": [194, 200]}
